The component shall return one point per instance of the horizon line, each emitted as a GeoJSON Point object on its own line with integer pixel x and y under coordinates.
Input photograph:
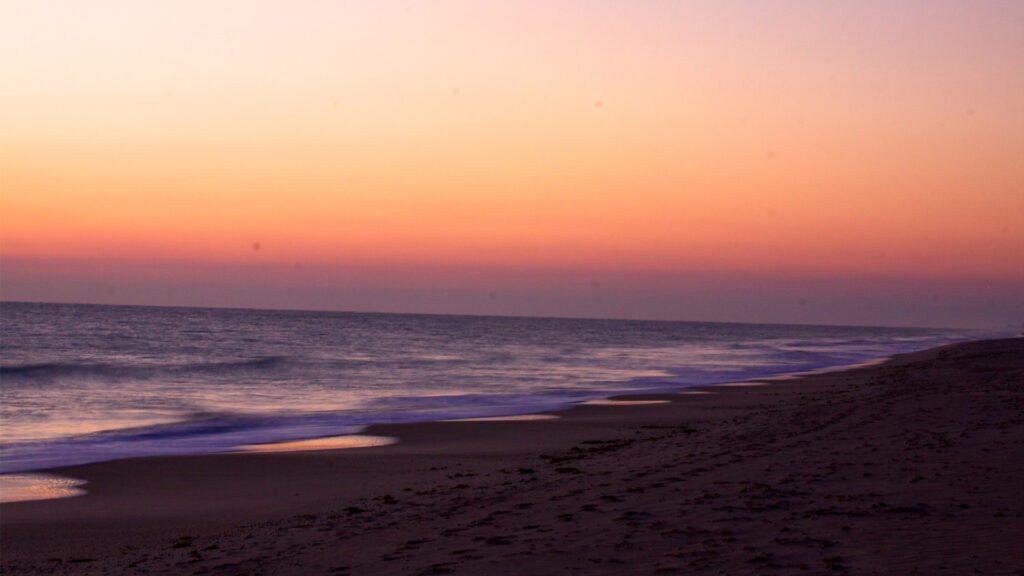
{"type": "Point", "coordinates": [519, 316]}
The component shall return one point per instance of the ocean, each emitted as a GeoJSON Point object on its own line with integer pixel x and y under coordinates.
{"type": "Point", "coordinates": [88, 383]}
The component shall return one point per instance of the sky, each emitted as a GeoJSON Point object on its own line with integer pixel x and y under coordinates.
{"type": "Point", "coordinates": [790, 161]}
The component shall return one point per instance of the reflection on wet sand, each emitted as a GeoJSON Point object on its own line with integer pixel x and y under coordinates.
{"type": "Point", "coordinates": [518, 418]}
{"type": "Point", "coordinates": [327, 443]}
{"type": "Point", "coordinates": [614, 402]}
{"type": "Point", "coordinates": [24, 487]}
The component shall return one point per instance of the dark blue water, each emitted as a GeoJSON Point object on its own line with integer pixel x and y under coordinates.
{"type": "Point", "coordinates": [84, 383]}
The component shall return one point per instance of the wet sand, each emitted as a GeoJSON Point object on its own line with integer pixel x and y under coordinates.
{"type": "Point", "coordinates": [915, 466]}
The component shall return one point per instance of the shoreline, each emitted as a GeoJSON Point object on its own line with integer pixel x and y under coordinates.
{"type": "Point", "coordinates": [611, 466]}
{"type": "Point", "coordinates": [359, 430]}
{"type": "Point", "coordinates": [46, 484]}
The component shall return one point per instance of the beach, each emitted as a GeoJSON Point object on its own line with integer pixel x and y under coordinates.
{"type": "Point", "coordinates": [913, 466]}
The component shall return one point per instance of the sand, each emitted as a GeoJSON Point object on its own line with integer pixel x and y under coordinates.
{"type": "Point", "coordinates": [915, 466]}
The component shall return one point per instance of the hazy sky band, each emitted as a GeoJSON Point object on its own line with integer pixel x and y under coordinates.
{"type": "Point", "coordinates": [795, 142]}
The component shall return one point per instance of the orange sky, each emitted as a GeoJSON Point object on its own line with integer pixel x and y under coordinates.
{"type": "Point", "coordinates": [782, 139]}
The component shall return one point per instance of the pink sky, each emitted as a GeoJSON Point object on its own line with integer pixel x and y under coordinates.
{"type": "Point", "coordinates": [846, 162]}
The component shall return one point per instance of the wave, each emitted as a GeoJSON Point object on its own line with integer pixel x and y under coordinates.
{"type": "Point", "coordinates": [212, 432]}
{"type": "Point", "coordinates": [20, 369]}
{"type": "Point", "coordinates": [209, 434]}
{"type": "Point", "coordinates": [113, 370]}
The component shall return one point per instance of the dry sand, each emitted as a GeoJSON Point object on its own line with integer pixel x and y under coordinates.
{"type": "Point", "coordinates": [912, 467]}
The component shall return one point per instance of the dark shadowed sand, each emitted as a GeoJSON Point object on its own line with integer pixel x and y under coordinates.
{"type": "Point", "coordinates": [912, 467]}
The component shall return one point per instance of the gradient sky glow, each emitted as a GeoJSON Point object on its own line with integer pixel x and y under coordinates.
{"type": "Point", "coordinates": [826, 162]}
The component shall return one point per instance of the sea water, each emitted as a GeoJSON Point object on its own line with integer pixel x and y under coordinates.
{"type": "Point", "coordinates": [86, 383]}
